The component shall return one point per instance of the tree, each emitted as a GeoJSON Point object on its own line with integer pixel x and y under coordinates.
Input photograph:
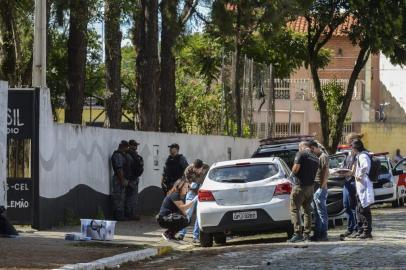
{"type": "Point", "coordinates": [198, 95]}
{"type": "Point", "coordinates": [77, 52]}
{"type": "Point", "coordinates": [378, 26]}
{"type": "Point", "coordinates": [172, 26]}
{"type": "Point", "coordinates": [16, 36]}
{"type": "Point", "coordinates": [8, 61]}
{"type": "Point", "coordinates": [239, 20]}
{"type": "Point", "coordinates": [145, 39]}
{"type": "Point", "coordinates": [113, 36]}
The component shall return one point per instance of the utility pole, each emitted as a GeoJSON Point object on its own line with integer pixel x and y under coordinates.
{"type": "Point", "coordinates": [39, 65]}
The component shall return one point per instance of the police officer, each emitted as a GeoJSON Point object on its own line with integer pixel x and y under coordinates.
{"type": "Point", "coordinates": [175, 166]}
{"type": "Point", "coordinates": [137, 168]}
{"type": "Point", "coordinates": [121, 168]}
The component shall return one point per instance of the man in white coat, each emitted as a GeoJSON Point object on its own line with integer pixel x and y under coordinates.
{"type": "Point", "coordinates": [365, 191]}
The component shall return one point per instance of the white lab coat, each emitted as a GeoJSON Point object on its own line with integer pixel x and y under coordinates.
{"type": "Point", "coordinates": [365, 189]}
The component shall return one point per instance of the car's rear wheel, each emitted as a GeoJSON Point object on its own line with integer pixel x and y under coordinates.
{"type": "Point", "coordinates": [220, 239]}
{"type": "Point", "coordinates": [206, 239]}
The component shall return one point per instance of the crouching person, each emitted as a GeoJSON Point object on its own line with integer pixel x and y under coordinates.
{"type": "Point", "coordinates": [172, 215]}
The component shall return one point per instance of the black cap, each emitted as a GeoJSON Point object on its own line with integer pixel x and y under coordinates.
{"type": "Point", "coordinates": [198, 163]}
{"type": "Point", "coordinates": [124, 143]}
{"type": "Point", "coordinates": [313, 143]}
{"type": "Point", "coordinates": [174, 145]}
{"type": "Point", "coordinates": [133, 143]}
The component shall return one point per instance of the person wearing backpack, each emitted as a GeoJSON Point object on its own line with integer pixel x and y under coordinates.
{"type": "Point", "coordinates": [365, 170]}
{"type": "Point", "coordinates": [137, 168]}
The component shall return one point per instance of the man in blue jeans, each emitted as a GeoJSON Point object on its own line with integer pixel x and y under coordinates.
{"type": "Point", "coordinates": [349, 203]}
{"type": "Point", "coordinates": [194, 174]}
{"type": "Point", "coordinates": [320, 195]}
{"type": "Point", "coordinates": [190, 196]}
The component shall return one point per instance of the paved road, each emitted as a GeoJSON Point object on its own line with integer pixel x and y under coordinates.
{"type": "Point", "coordinates": [386, 251]}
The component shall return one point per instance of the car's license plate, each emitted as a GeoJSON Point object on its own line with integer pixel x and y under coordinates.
{"type": "Point", "coordinates": [245, 215]}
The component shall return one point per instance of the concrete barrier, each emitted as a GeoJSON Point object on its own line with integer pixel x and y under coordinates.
{"type": "Point", "coordinates": [75, 171]}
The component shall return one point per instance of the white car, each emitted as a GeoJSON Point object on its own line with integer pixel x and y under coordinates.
{"type": "Point", "coordinates": [390, 186]}
{"type": "Point", "coordinates": [242, 197]}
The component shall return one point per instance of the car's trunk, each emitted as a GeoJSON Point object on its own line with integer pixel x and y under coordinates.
{"type": "Point", "coordinates": [243, 194]}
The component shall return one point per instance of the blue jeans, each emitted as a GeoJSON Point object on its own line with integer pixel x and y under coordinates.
{"type": "Point", "coordinates": [189, 213]}
{"type": "Point", "coordinates": [320, 213]}
{"type": "Point", "coordinates": [349, 207]}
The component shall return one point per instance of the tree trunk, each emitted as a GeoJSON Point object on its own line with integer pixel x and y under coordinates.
{"type": "Point", "coordinates": [236, 76]}
{"type": "Point", "coordinates": [8, 53]}
{"type": "Point", "coordinates": [77, 50]}
{"type": "Point", "coordinates": [362, 58]}
{"type": "Point", "coordinates": [113, 36]}
{"type": "Point", "coordinates": [170, 31]}
{"type": "Point", "coordinates": [148, 64]}
{"type": "Point", "coordinates": [324, 121]}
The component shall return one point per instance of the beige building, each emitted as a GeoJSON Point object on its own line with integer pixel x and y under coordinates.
{"type": "Point", "coordinates": [295, 96]}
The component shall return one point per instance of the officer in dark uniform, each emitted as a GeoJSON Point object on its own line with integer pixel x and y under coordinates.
{"type": "Point", "coordinates": [137, 168]}
{"type": "Point", "coordinates": [121, 168]}
{"type": "Point", "coordinates": [6, 229]}
{"type": "Point", "coordinates": [174, 169]}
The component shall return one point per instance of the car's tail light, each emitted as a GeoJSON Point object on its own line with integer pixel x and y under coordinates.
{"type": "Point", "coordinates": [205, 196]}
{"type": "Point", "coordinates": [283, 188]}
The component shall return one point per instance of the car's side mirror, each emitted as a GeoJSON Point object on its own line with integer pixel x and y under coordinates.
{"type": "Point", "coordinates": [397, 172]}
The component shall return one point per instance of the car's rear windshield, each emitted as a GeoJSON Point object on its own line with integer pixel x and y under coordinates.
{"type": "Point", "coordinates": [286, 155]}
{"type": "Point", "coordinates": [243, 173]}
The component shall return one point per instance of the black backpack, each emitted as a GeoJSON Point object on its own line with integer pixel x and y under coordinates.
{"type": "Point", "coordinates": [375, 169]}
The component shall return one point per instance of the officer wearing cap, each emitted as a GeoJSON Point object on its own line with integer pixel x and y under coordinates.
{"type": "Point", "coordinates": [175, 166]}
{"type": "Point", "coordinates": [137, 168]}
{"type": "Point", "coordinates": [121, 168]}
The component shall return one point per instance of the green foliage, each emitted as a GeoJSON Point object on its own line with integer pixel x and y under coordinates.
{"type": "Point", "coordinates": [334, 94]}
{"type": "Point", "coordinates": [128, 79]}
{"type": "Point", "coordinates": [284, 49]}
{"type": "Point", "coordinates": [198, 97]}
{"type": "Point", "coordinates": [57, 66]}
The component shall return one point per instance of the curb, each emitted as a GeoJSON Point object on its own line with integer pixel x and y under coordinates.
{"type": "Point", "coordinates": [114, 261]}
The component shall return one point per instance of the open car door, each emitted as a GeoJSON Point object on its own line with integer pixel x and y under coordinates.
{"type": "Point", "coordinates": [399, 172]}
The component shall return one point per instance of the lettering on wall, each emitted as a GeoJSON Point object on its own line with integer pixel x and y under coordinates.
{"type": "Point", "coordinates": [14, 122]}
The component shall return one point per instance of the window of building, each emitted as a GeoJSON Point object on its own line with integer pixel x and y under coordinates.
{"type": "Point", "coordinates": [282, 89]}
{"type": "Point", "coordinates": [282, 129]}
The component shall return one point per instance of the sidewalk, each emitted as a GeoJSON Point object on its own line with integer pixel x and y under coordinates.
{"type": "Point", "coordinates": [48, 249]}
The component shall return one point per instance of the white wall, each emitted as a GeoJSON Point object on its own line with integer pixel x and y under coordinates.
{"type": "Point", "coordinates": [71, 155]}
{"type": "Point", "coordinates": [3, 141]}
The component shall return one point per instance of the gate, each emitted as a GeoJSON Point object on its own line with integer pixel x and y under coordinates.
{"type": "Point", "coordinates": [22, 141]}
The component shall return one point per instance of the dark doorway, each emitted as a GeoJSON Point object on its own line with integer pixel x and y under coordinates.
{"type": "Point", "coordinates": [22, 127]}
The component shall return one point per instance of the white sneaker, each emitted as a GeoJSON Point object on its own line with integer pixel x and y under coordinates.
{"type": "Point", "coordinates": [166, 236]}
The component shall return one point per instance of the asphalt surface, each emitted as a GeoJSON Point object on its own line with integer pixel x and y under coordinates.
{"type": "Point", "coordinates": [387, 250]}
